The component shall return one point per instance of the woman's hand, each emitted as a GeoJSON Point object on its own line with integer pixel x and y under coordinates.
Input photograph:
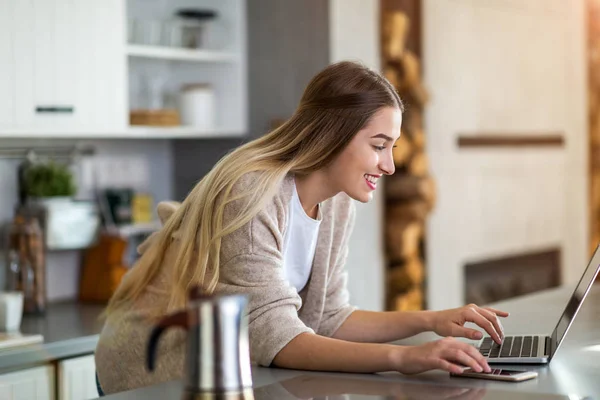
{"type": "Point", "coordinates": [448, 354]}
{"type": "Point", "coordinates": [451, 322]}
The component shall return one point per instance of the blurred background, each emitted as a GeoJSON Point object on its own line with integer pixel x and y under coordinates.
{"type": "Point", "coordinates": [110, 106]}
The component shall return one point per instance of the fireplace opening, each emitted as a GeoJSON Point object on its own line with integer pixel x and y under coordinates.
{"type": "Point", "coordinates": [514, 275]}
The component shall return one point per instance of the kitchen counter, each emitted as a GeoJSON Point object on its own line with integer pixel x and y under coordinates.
{"type": "Point", "coordinates": [574, 373]}
{"type": "Point", "coordinates": [69, 329]}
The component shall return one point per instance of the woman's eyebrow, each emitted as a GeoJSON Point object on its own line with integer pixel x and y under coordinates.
{"type": "Point", "coordinates": [383, 136]}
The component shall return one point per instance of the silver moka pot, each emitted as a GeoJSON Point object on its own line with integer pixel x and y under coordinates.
{"type": "Point", "coordinates": [218, 353]}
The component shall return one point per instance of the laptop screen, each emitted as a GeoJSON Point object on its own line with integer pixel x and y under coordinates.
{"type": "Point", "coordinates": [575, 301]}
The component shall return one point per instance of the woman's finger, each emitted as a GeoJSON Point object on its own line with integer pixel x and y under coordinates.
{"type": "Point", "coordinates": [445, 365]}
{"type": "Point", "coordinates": [473, 316]}
{"type": "Point", "coordinates": [494, 320]}
{"type": "Point", "coordinates": [499, 313]}
{"type": "Point", "coordinates": [460, 357]}
{"type": "Point", "coordinates": [468, 333]}
{"type": "Point", "coordinates": [476, 355]}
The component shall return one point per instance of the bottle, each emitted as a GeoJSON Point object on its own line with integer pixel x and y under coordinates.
{"type": "Point", "coordinates": [25, 270]}
{"type": "Point", "coordinates": [37, 262]}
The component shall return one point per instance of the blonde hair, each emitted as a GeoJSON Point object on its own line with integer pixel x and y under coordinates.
{"type": "Point", "coordinates": [336, 104]}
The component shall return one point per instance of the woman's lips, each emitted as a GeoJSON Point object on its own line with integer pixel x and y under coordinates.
{"type": "Point", "coordinates": [370, 184]}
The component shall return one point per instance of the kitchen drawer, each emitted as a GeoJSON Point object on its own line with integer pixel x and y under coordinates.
{"type": "Point", "coordinates": [29, 384]}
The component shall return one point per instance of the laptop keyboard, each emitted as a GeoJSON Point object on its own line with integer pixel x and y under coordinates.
{"type": "Point", "coordinates": [512, 346]}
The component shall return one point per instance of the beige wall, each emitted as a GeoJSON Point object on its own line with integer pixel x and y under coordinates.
{"type": "Point", "coordinates": [354, 35]}
{"type": "Point", "coordinates": [504, 66]}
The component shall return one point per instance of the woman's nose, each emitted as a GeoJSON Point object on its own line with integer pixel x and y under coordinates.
{"type": "Point", "coordinates": [387, 164]}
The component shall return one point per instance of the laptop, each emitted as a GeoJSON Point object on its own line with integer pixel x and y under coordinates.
{"type": "Point", "coordinates": [535, 348]}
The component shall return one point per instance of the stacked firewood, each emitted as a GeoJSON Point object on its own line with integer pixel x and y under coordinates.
{"type": "Point", "coordinates": [410, 192]}
{"type": "Point", "coordinates": [594, 118]}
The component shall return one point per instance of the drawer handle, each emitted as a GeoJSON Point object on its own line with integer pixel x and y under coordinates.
{"type": "Point", "coordinates": [55, 109]}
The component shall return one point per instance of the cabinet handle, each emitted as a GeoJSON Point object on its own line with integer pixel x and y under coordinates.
{"type": "Point", "coordinates": [55, 109]}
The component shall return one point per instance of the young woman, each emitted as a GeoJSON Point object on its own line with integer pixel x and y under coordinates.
{"type": "Point", "coordinates": [272, 221]}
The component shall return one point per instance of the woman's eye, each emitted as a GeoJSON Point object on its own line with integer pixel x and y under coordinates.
{"type": "Point", "coordinates": [379, 148]}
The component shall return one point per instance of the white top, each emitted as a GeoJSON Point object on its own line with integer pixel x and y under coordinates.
{"type": "Point", "coordinates": [299, 243]}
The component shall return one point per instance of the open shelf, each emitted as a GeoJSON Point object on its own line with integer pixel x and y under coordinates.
{"type": "Point", "coordinates": [170, 53]}
{"type": "Point", "coordinates": [134, 132]}
{"type": "Point", "coordinates": [180, 132]}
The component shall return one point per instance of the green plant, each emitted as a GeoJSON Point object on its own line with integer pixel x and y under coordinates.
{"type": "Point", "coordinates": [48, 180]}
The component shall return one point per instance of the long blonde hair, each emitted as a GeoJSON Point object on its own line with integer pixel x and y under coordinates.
{"type": "Point", "coordinates": [336, 104]}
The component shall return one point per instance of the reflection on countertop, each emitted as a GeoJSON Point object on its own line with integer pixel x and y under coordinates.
{"type": "Point", "coordinates": [311, 386]}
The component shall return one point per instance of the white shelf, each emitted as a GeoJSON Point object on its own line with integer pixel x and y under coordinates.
{"type": "Point", "coordinates": [133, 132]}
{"type": "Point", "coordinates": [181, 132]}
{"type": "Point", "coordinates": [139, 229]}
{"type": "Point", "coordinates": [170, 53]}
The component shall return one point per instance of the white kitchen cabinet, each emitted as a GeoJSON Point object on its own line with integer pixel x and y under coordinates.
{"type": "Point", "coordinates": [77, 378]}
{"type": "Point", "coordinates": [7, 110]}
{"type": "Point", "coordinates": [68, 71]}
{"type": "Point", "coordinates": [62, 65]}
{"type": "Point", "coordinates": [29, 384]}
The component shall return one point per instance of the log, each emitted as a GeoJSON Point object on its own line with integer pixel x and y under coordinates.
{"type": "Point", "coordinates": [418, 165]}
{"type": "Point", "coordinates": [595, 203]}
{"type": "Point", "coordinates": [402, 278]}
{"type": "Point", "coordinates": [402, 239]}
{"type": "Point", "coordinates": [407, 187]}
{"type": "Point", "coordinates": [419, 94]}
{"type": "Point", "coordinates": [391, 75]}
{"type": "Point", "coordinates": [418, 139]}
{"type": "Point", "coordinates": [594, 155]}
{"type": "Point", "coordinates": [402, 151]}
{"type": "Point", "coordinates": [594, 244]}
{"type": "Point", "coordinates": [412, 120]}
{"type": "Point", "coordinates": [410, 75]}
{"type": "Point", "coordinates": [595, 136]}
{"type": "Point", "coordinates": [415, 210]}
{"type": "Point", "coordinates": [594, 76]}
{"type": "Point", "coordinates": [593, 102]}
{"type": "Point", "coordinates": [410, 301]}
{"type": "Point", "coordinates": [395, 28]}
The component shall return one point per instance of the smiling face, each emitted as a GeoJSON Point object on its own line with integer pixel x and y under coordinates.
{"type": "Point", "coordinates": [367, 157]}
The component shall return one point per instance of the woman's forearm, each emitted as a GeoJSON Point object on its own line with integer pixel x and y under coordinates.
{"type": "Point", "coordinates": [309, 351]}
{"type": "Point", "coordinates": [382, 327]}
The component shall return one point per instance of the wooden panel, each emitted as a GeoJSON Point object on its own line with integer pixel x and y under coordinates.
{"type": "Point", "coordinates": [511, 140]}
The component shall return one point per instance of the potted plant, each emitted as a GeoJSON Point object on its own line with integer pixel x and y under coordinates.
{"type": "Point", "coordinates": [48, 181]}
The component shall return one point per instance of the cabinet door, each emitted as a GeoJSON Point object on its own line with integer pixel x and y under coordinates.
{"type": "Point", "coordinates": [77, 379]}
{"type": "Point", "coordinates": [41, 63]}
{"type": "Point", "coordinates": [30, 384]}
{"type": "Point", "coordinates": [69, 63]}
{"type": "Point", "coordinates": [7, 101]}
{"type": "Point", "coordinates": [100, 59]}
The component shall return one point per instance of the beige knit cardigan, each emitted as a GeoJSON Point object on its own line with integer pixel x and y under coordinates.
{"type": "Point", "coordinates": [251, 264]}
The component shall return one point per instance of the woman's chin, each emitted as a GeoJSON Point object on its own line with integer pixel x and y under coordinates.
{"type": "Point", "coordinates": [363, 197]}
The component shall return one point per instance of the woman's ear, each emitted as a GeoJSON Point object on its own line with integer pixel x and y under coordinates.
{"type": "Point", "coordinates": [165, 209]}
